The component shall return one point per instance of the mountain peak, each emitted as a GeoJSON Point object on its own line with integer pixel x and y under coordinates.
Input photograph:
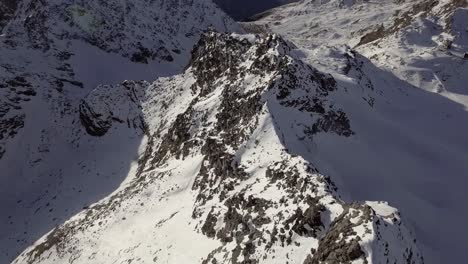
{"type": "Point", "coordinates": [219, 169]}
{"type": "Point", "coordinates": [157, 131]}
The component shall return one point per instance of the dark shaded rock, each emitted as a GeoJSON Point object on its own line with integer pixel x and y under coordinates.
{"type": "Point", "coordinates": [176, 140]}
{"type": "Point", "coordinates": [142, 55]}
{"type": "Point", "coordinates": [309, 222]}
{"type": "Point", "coordinates": [145, 55]}
{"type": "Point", "coordinates": [289, 178]}
{"type": "Point", "coordinates": [9, 127]}
{"type": "Point", "coordinates": [18, 81]}
{"type": "Point", "coordinates": [333, 247]}
{"type": "Point", "coordinates": [208, 227]}
{"type": "Point", "coordinates": [7, 10]}
{"type": "Point", "coordinates": [94, 123]}
{"type": "Point", "coordinates": [209, 61]}
{"type": "Point", "coordinates": [401, 21]}
{"type": "Point", "coordinates": [236, 111]}
{"type": "Point", "coordinates": [219, 172]}
{"type": "Point", "coordinates": [332, 121]}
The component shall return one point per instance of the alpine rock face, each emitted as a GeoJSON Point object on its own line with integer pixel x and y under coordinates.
{"type": "Point", "coordinates": [159, 131]}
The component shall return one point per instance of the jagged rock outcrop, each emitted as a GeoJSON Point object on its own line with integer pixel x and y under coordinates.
{"type": "Point", "coordinates": [219, 174]}
{"type": "Point", "coordinates": [108, 104]}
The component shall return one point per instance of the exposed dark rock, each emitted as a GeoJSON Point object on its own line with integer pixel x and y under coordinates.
{"type": "Point", "coordinates": [208, 227]}
{"type": "Point", "coordinates": [219, 172]}
{"type": "Point", "coordinates": [18, 81]}
{"type": "Point", "coordinates": [7, 10]}
{"type": "Point", "coordinates": [145, 55]}
{"type": "Point", "coordinates": [289, 178]}
{"type": "Point", "coordinates": [375, 34]}
{"type": "Point", "coordinates": [60, 83]}
{"type": "Point", "coordinates": [209, 61]}
{"type": "Point", "coordinates": [400, 21]}
{"type": "Point", "coordinates": [236, 112]}
{"type": "Point", "coordinates": [332, 121]}
{"type": "Point", "coordinates": [101, 109]}
{"type": "Point", "coordinates": [94, 123]}
{"type": "Point", "coordinates": [142, 55]}
{"type": "Point", "coordinates": [334, 247]}
{"type": "Point", "coordinates": [309, 222]}
{"type": "Point", "coordinates": [9, 127]}
{"type": "Point", "coordinates": [176, 140]}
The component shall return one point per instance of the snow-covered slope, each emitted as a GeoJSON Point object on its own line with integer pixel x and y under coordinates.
{"type": "Point", "coordinates": [227, 175]}
{"type": "Point", "coordinates": [52, 55]}
{"type": "Point", "coordinates": [410, 147]}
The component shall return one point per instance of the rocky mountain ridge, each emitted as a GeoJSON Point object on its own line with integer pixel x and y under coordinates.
{"type": "Point", "coordinates": [128, 135]}
{"type": "Point", "coordinates": [221, 165]}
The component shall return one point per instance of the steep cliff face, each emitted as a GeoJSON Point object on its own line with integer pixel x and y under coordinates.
{"type": "Point", "coordinates": [227, 174]}
{"type": "Point", "coordinates": [52, 55]}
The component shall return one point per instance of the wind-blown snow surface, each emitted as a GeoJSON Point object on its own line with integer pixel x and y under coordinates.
{"type": "Point", "coordinates": [411, 146]}
{"type": "Point", "coordinates": [52, 55]}
{"type": "Point", "coordinates": [227, 173]}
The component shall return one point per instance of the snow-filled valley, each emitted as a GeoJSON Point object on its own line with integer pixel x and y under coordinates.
{"type": "Point", "coordinates": [328, 131]}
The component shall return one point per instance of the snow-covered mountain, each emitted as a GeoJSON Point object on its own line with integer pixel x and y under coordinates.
{"type": "Point", "coordinates": [53, 54]}
{"type": "Point", "coordinates": [411, 148]}
{"type": "Point", "coordinates": [227, 175]}
{"type": "Point", "coordinates": [134, 132]}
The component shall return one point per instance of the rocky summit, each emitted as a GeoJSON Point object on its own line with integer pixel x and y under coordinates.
{"type": "Point", "coordinates": [218, 168]}
{"type": "Point", "coordinates": [165, 132]}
